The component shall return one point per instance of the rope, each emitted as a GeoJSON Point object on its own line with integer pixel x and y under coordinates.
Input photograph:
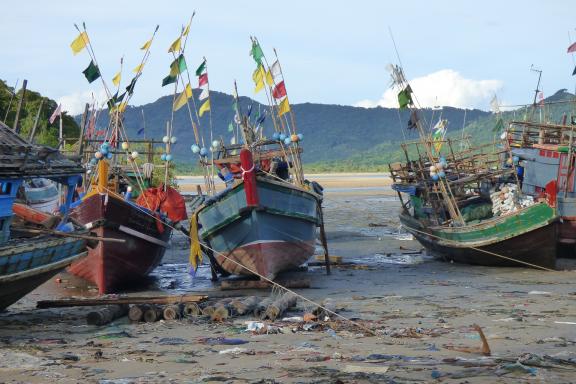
{"type": "Point", "coordinates": [246, 171]}
{"type": "Point", "coordinates": [275, 284]}
{"type": "Point", "coordinates": [482, 250]}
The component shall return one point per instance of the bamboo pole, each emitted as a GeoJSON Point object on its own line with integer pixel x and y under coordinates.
{"type": "Point", "coordinates": [16, 127]}
{"type": "Point", "coordinates": [33, 130]}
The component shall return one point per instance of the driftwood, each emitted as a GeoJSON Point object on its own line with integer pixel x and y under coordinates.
{"type": "Point", "coordinates": [152, 314]}
{"type": "Point", "coordinates": [191, 310]}
{"type": "Point", "coordinates": [260, 310]}
{"type": "Point", "coordinates": [172, 312]}
{"type": "Point", "coordinates": [136, 312]}
{"type": "Point", "coordinates": [245, 305]}
{"type": "Point", "coordinates": [228, 285]}
{"type": "Point", "coordinates": [107, 314]}
{"type": "Point", "coordinates": [172, 299]}
{"type": "Point", "coordinates": [279, 306]}
{"type": "Point", "coordinates": [209, 309]}
{"type": "Point", "coordinates": [326, 309]}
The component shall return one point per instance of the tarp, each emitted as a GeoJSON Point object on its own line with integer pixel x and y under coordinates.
{"type": "Point", "coordinates": [170, 202]}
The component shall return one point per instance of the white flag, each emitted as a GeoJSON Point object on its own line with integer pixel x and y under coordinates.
{"type": "Point", "coordinates": [55, 114]}
{"type": "Point", "coordinates": [494, 105]}
{"type": "Point", "coordinates": [203, 94]}
{"type": "Point", "coordinates": [275, 69]}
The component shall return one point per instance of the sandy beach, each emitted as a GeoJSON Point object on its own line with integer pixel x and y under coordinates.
{"type": "Point", "coordinates": [409, 319]}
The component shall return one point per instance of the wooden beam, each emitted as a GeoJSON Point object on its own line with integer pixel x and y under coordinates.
{"type": "Point", "coordinates": [89, 301]}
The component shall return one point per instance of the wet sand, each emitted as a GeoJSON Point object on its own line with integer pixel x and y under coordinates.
{"type": "Point", "coordinates": [421, 312]}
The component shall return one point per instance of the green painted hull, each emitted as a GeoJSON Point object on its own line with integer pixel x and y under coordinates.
{"type": "Point", "coordinates": [525, 238]}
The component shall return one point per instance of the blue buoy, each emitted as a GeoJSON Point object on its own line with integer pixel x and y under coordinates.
{"type": "Point", "coordinates": [435, 177]}
{"type": "Point", "coordinates": [168, 157]}
{"type": "Point", "coordinates": [163, 157]}
{"type": "Point", "coordinates": [276, 135]}
{"type": "Point", "coordinates": [300, 137]}
{"type": "Point", "coordinates": [287, 140]}
{"type": "Point", "coordinates": [282, 137]}
{"type": "Point", "coordinates": [203, 152]}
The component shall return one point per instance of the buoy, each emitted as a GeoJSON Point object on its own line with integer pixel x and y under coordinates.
{"type": "Point", "coordinates": [124, 145]}
{"type": "Point", "coordinates": [98, 155]}
{"type": "Point", "coordinates": [195, 148]}
{"type": "Point", "coordinates": [168, 157]}
{"type": "Point", "coordinates": [300, 137]}
{"type": "Point", "coordinates": [173, 140]}
{"type": "Point", "coordinates": [282, 137]}
{"type": "Point", "coordinates": [165, 139]}
{"type": "Point", "coordinates": [432, 169]}
{"type": "Point", "coordinates": [294, 138]}
{"type": "Point", "coordinates": [435, 177]}
{"type": "Point", "coordinates": [215, 144]}
{"type": "Point", "coordinates": [276, 135]}
{"type": "Point", "coordinates": [287, 141]}
{"type": "Point", "coordinates": [109, 155]}
{"type": "Point", "coordinates": [134, 154]}
{"type": "Point", "coordinates": [203, 151]}
{"type": "Point", "coordinates": [441, 174]}
{"type": "Point", "coordinates": [163, 157]}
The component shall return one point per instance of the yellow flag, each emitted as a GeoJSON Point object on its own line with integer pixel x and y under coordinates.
{"type": "Point", "coordinates": [122, 107]}
{"type": "Point", "coordinates": [175, 47]}
{"type": "Point", "coordinates": [195, 249]}
{"type": "Point", "coordinates": [269, 78]}
{"type": "Point", "coordinates": [79, 43]}
{"type": "Point", "coordinates": [283, 107]}
{"type": "Point", "coordinates": [146, 45]}
{"type": "Point", "coordinates": [187, 29]}
{"type": "Point", "coordinates": [188, 91]}
{"type": "Point", "coordinates": [205, 107]}
{"type": "Point", "coordinates": [139, 68]}
{"type": "Point", "coordinates": [116, 79]}
{"type": "Point", "coordinates": [258, 75]}
{"type": "Point", "coordinates": [180, 101]}
{"type": "Point", "coordinates": [259, 86]}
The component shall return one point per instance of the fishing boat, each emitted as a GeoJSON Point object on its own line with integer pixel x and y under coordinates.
{"type": "Point", "coordinates": [109, 207]}
{"type": "Point", "coordinates": [265, 221]}
{"type": "Point", "coordinates": [467, 206]}
{"type": "Point", "coordinates": [29, 257]}
{"type": "Point", "coordinates": [41, 194]}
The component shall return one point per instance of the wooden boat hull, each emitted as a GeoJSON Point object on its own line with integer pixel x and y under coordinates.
{"type": "Point", "coordinates": [528, 236]}
{"type": "Point", "coordinates": [277, 235]}
{"type": "Point", "coordinates": [25, 264]}
{"type": "Point", "coordinates": [111, 265]}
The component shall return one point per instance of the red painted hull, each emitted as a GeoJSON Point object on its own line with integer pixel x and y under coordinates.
{"type": "Point", "coordinates": [113, 265]}
{"type": "Point", "coordinates": [267, 258]}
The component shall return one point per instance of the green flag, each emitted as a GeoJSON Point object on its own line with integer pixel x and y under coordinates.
{"type": "Point", "coordinates": [499, 125]}
{"type": "Point", "coordinates": [230, 127]}
{"type": "Point", "coordinates": [168, 80]}
{"type": "Point", "coordinates": [201, 68]}
{"type": "Point", "coordinates": [130, 87]}
{"type": "Point", "coordinates": [256, 52]}
{"type": "Point", "coordinates": [92, 72]}
{"type": "Point", "coordinates": [178, 66]}
{"type": "Point", "coordinates": [405, 97]}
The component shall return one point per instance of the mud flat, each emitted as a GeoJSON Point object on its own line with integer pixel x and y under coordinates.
{"type": "Point", "coordinates": [411, 319]}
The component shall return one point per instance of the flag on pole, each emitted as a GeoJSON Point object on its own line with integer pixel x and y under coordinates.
{"type": "Point", "coordinates": [275, 69]}
{"type": "Point", "coordinates": [494, 105]}
{"type": "Point", "coordinates": [130, 87]}
{"type": "Point", "coordinates": [256, 52]}
{"type": "Point", "coordinates": [230, 127]}
{"type": "Point", "coordinates": [205, 107]}
{"type": "Point", "coordinates": [55, 114]}
{"type": "Point", "coordinates": [258, 74]}
{"type": "Point", "coordinates": [439, 133]}
{"type": "Point", "coordinates": [572, 48]}
{"type": "Point", "coordinates": [175, 46]}
{"type": "Point", "coordinates": [201, 68]}
{"type": "Point", "coordinates": [178, 66]}
{"type": "Point", "coordinates": [202, 79]}
{"type": "Point", "coordinates": [187, 30]}
{"type": "Point", "coordinates": [259, 86]}
{"type": "Point", "coordinates": [279, 91]}
{"type": "Point", "coordinates": [138, 68]}
{"type": "Point", "coordinates": [180, 101]}
{"type": "Point", "coordinates": [116, 79]}
{"type": "Point", "coordinates": [204, 94]}
{"type": "Point", "coordinates": [92, 72]}
{"type": "Point", "coordinates": [188, 90]}
{"type": "Point", "coordinates": [79, 43]}
{"type": "Point", "coordinates": [269, 78]}
{"type": "Point", "coordinates": [405, 97]}
{"type": "Point", "coordinates": [283, 107]}
{"type": "Point", "coordinates": [168, 80]}
{"type": "Point", "coordinates": [146, 45]}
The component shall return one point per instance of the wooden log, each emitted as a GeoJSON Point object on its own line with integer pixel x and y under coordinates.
{"type": "Point", "coordinates": [91, 302]}
{"type": "Point", "coordinates": [209, 309]}
{"type": "Point", "coordinates": [152, 314]}
{"type": "Point", "coordinates": [220, 314]}
{"type": "Point", "coordinates": [172, 312]}
{"type": "Point", "coordinates": [279, 306]}
{"type": "Point", "coordinates": [246, 305]}
{"type": "Point", "coordinates": [192, 310]}
{"type": "Point", "coordinates": [107, 314]}
{"type": "Point", "coordinates": [228, 285]}
{"type": "Point", "coordinates": [260, 310]}
{"type": "Point", "coordinates": [136, 312]}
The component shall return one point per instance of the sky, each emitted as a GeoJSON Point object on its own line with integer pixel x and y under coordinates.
{"type": "Point", "coordinates": [456, 53]}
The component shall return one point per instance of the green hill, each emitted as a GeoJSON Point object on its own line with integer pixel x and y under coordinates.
{"type": "Point", "coordinates": [46, 133]}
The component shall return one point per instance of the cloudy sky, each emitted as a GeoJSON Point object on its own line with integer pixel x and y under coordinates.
{"type": "Point", "coordinates": [455, 53]}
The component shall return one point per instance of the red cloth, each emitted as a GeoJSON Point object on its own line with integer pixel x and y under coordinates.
{"type": "Point", "coordinates": [280, 90]}
{"type": "Point", "coordinates": [170, 202]}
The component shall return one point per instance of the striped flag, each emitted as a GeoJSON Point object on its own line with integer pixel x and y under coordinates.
{"type": "Point", "coordinates": [56, 113]}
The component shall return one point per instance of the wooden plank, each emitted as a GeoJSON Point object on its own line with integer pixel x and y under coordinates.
{"type": "Point", "coordinates": [233, 284]}
{"type": "Point", "coordinates": [89, 301]}
{"type": "Point", "coordinates": [333, 259]}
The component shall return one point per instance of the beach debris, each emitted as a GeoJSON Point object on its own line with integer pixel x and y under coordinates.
{"type": "Point", "coordinates": [484, 349]}
{"type": "Point", "coordinates": [136, 312]}
{"type": "Point", "coordinates": [107, 314]}
{"type": "Point", "coordinates": [172, 312]}
{"type": "Point", "coordinates": [172, 341]}
{"type": "Point", "coordinates": [365, 369]}
{"type": "Point", "coordinates": [279, 306]}
{"type": "Point", "coordinates": [245, 305]}
{"type": "Point", "coordinates": [254, 326]}
{"type": "Point", "coordinates": [116, 299]}
{"type": "Point", "coordinates": [236, 351]}
{"type": "Point", "coordinates": [260, 310]}
{"type": "Point", "coordinates": [152, 314]}
{"type": "Point", "coordinates": [192, 310]}
{"type": "Point", "coordinates": [221, 341]}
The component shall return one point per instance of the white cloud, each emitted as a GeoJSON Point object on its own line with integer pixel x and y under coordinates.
{"type": "Point", "coordinates": [74, 103]}
{"type": "Point", "coordinates": [442, 88]}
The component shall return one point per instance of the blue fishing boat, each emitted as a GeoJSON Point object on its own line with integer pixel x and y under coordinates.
{"type": "Point", "coordinates": [29, 257]}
